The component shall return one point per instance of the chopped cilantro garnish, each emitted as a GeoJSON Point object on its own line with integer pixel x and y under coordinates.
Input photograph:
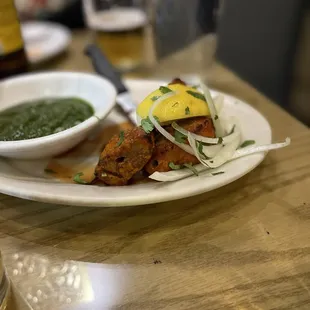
{"type": "Point", "coordinates": [154, 98]}
{"type": "Point", "coordinates": [179, 137]}
{"type": "Point", "coordinates": [121, 138]}
{"type": "Point", "coordinates": [200, 149]}
{"type": "Point", "coordinates": [196, 95]}
{"type": "Point", "coordinates": [174, 167]}
{"type": "Point", "coordinates": [164, 89]}
{"type": "Point", "coordinates": [190, 167]}
{"type": "Point", "coordinates": [216, 173]}
{"type": "Point", "coordinates": [147, 125]}
{"type": "Point", "coordinates": [187, 111]}
{"type": "Point", "coordinates": [77, 178]}
{"type": "Point", "coordinates": [195, 86]}
{"type": "Point", "coordinates": [232, 129]}
{"type": "Point", "coordinates": [220, 141]}
{"type": "Point", "coordinates": [216, 117]}
{"type": "Point", "coordinates": [247, 143]}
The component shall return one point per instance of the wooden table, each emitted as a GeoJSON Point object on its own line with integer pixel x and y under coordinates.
{"type": "Point", "coordinates": [243, 246]}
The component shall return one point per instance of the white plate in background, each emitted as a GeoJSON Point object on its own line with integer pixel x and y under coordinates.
{"type": "Point", "coordinates": [26, 179]}
{"type": "Point", "coordinates": [45, 40]}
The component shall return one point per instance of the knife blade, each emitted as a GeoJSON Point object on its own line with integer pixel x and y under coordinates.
{"type": "Point", "coordinates": [104, 68]}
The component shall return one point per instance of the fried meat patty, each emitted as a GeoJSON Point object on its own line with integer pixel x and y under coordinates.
{"type": "Point", "coordinates": [166, 152]}
{"type": "Point", "coordinates": [124, 156]}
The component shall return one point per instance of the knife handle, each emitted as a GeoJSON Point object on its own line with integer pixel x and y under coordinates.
{"type": "Point", "coordinates": [104, 68]}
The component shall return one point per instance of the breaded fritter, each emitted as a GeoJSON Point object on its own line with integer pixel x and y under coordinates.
{"type": "Point", "coordinates": [166, 152]}
{"type": "Point", "coordinates": [124, 156]}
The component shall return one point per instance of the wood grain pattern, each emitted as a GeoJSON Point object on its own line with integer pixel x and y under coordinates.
{"type": "Point", "coordinates": [243, 246]}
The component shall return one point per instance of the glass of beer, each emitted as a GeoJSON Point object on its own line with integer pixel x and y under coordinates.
{"type": "Point", "coordinates": [119, 28]}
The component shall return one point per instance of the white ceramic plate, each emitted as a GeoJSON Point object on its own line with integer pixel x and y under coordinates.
{"type": "Point", "coordinates": [27, 179]}
{"type": "Point", "coordinates": [45, 40]}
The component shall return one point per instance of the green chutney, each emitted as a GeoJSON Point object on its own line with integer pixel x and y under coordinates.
{"type": "Point", "coordinates": [42, 117]}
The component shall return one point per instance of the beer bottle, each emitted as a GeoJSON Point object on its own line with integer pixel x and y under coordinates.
{"type": "Point", "coordinates": [13, 58]}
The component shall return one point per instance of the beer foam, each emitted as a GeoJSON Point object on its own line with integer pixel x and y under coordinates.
{"type": "Point", "coordinates": [118, 19]}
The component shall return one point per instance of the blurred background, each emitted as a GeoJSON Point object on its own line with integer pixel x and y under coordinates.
{"type": "Point", "coordinates": [266, 43]}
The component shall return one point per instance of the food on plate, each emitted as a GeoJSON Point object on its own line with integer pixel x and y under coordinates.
{"type": "Point", "coordinates": [166, 152]}
{"type": "Point", "coordinates": [124, 156]}
{"type": "Point", "coordinates": [39, 118]}
{"type": "Point", "coordinates": [181, 131]}
{"type": "Point", "coordinates": [143, 148]}
{"type": "Point", "coordinates": [187, 102]}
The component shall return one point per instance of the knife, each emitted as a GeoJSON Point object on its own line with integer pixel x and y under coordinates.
{"type": "Point", "coordinates": [104, 68]}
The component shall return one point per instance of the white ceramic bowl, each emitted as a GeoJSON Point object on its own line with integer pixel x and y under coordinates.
{"type": "Point", "coordinates": [99, 92]}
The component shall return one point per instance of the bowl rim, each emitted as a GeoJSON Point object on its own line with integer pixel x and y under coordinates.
{"type": "Point", "coordinates": [67, 133]}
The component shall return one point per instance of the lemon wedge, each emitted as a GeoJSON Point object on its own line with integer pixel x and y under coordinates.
{"type": "Point", "coordinates": [185, 104]}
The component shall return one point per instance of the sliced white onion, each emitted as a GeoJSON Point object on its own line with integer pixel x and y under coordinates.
{"type": "Point", "coordinates": [176, 175]}
{"type": "Point", "coordinates": [164, 132]}
{"type": "Point", "coordinates": [192, 143]}
{"type": "Point", "coordinates": [211, 150]}
{"type": "Point", "coordinates": [227, 139]}
{"type": "Point", "coordinates": [225, 154]}
{"type": "Point", "coordinates": [218, 154]}
{"type": "Point", "coordinates": [219, 131]}
{"type": "Point", "coordinates": [261, 148]}
{"type": "Point", "coordinates": [219, 103]}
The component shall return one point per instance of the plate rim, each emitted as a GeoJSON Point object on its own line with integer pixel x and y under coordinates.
{"type": "Point", "coordinates": [55, 52]}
